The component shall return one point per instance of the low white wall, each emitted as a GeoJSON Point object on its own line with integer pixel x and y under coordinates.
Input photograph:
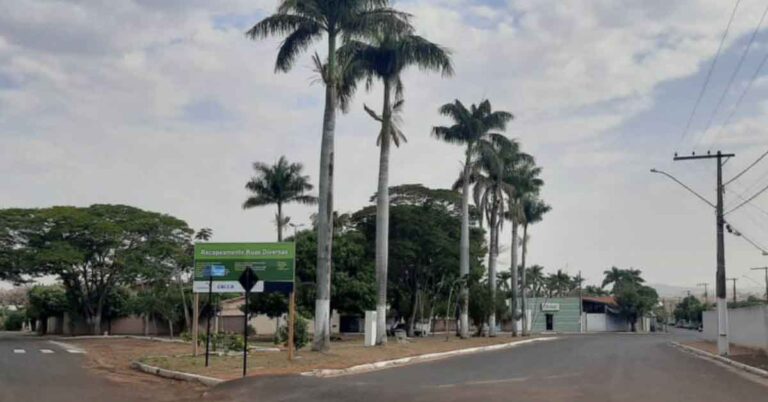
{"type": "Point", "coordinates": [747, 326]}
{"type": "Point", "coordinates": [596, 322]}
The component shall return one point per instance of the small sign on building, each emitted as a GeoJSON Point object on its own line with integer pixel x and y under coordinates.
{"type": "Point", "coordinates": [550, 306]}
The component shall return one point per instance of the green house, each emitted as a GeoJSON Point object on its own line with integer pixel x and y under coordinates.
{"type": "Point", "coordinates": [557, 314]}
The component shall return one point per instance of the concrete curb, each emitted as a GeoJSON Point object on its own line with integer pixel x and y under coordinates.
{"type": "Point", "coordinates": [176, 375]}
{"type": "Point", "coordinates": [142, 338]}
{"type": "Point", "coordinates": [721, 359]}
{"type": "Point", "coordinates": [362, 368]}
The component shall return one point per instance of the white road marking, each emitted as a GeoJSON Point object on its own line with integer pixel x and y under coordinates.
{"type": "Point", "coordinates": [19, 351]}
{"type": "Point", "coordinates": [46, 351]}
{"type": "Point", "coordinates": [69, 348]}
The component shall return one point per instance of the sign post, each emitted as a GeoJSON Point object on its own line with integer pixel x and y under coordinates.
{"type": "Point", "coordinates": [248, 280]}
{"type": "Point", "coordinates": [211, 271]}
{"type": "Point", "coordinates": [245, 268]}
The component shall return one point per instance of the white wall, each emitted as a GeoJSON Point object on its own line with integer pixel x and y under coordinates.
{"type": "Point", "coordinates": [596, 322]}
{"type": "Point", "coordinates": [601, 322]}
{"type": "Point", "coordinates": [747, 326]}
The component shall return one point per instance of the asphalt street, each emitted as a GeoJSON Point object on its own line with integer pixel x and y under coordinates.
{"type": "Point", "coordinates": [609, 367]}
{"type": "Point", "coordinates": [32, 369]}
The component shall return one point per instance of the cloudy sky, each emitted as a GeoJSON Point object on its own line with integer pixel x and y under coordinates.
{"type": "Point", "coordinates": [164, 104]}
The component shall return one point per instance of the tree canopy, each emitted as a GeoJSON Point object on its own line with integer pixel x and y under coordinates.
{"type": "Point", "coordinates": [92, 250]}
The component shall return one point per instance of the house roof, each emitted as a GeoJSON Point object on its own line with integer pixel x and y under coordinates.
{"type": "Point", "coordinates": [609, 300]}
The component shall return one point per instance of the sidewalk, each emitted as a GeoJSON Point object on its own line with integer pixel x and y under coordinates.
{"type": "Point", "coordinates": [751, 357]}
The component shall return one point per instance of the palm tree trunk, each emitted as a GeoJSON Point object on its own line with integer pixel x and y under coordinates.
{"type": "Point", "coordinates": [464, 248]}
{"type": "Point", "coordinates": [322, 334]}
{"type": "Point", "coordinates": [513, 271]}
{"type": "Point", "coordinates": [279, 222]}
{"type": "Point", "coordinates": [493, 252]}
{"type": "Point", "coordinates": [522, 279]}
{"type": "Point", "coordinates": [382, 221]}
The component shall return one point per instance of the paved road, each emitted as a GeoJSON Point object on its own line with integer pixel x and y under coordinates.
{"type": "Point", "coordinates": [611, 367]}
{"type": "Point", "coordinates": [33, 369]}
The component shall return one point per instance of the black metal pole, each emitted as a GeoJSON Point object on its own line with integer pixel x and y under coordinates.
{"type": "Point", "coordinates": [210, 309]}
{"type": "Point", "coordinates": [245, 333]}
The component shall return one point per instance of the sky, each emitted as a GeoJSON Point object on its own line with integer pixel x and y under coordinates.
{"type": "Point", "coordinates": [165, 105]}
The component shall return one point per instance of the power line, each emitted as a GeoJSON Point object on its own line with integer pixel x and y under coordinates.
{"type": "Point", "coordinates": [709, 73]}
{"type": "Point", "coordinates": [747, 200]}
{"type": "Point", "coordinates": [734, 74]}
{"type": "Point", "coordinates": [741, 98]}
{"type": "Point", "coordinates": [738, 233]}
{"type": "Point", "coordinates": [748, 167]}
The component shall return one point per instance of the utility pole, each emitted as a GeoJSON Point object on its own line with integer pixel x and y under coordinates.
{"type": "Point", "coordinates": [722, 307]}
{"type": "Point", "coordinates": [734, 287]}
{"type": "Point", "coordinates": [766, 280]}
{"type": "Point", "coordinates": [706, 294]}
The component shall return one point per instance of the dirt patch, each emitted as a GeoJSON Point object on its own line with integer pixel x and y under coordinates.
{"type": "Point", "coordinates": [753, 357]}
{"type": "Point", "coordinates": [343, 354]}
{"type": "Point", "coordinates": [112, 357]}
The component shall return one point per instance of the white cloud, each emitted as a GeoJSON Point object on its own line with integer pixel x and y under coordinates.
{"type": "Point", "coordinates": [99, 111]}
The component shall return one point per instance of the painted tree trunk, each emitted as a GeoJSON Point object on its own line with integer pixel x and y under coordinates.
{"type": "Point", "coordinates": [279, 222]}
{"type": "Point", "coordinates": [464, 248]}
{"type": "Point", "coordinates": [382, 221]}
{"type": "Point", "coordinates": [492, 254]}
{"type": "Point", "coordinates": [322, 334]}
{"type": "Point", "coordinates": [522, 280]}
{"type": "Point", "coordinates": [513, 271]}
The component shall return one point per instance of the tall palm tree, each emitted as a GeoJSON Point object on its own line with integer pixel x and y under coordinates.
{"type": "Point", "coordinates": [621, 277]}
{"type": "Point", "coordinates": [303, 22]}
{"type": "Point", "coordinates": [473, 128]}
{"type": "Point", "coordinates": [522, 178]}
{"type": "Point", "coordinates": [487, 175]}
{"type": "Point", "coordinates": [278, 184]}
{"type": "Point", "coordinates": [384, 57]}
{"type": "Point", "coordinates": [558, 283]}
{"type": "Point", "coordinates": [535, 275]}
{"type": "Point", "coordinates": [533, 211]}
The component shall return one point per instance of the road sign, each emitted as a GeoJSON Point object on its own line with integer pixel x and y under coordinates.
{"type": "Point", "coordinates": [273, 263]}
{"type": "Point", "coordinates": [215, 271]}
{"type": "Point", "coordinates": [248, 279]}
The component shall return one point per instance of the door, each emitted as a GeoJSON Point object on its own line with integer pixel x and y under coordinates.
{"type": "Point", "coordinates": [550, 322]}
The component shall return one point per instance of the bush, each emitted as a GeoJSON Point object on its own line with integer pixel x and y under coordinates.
{"type": "Point", "coordinates": [300, 333]}
{"type": "Point", "coordinates": [14, 321]}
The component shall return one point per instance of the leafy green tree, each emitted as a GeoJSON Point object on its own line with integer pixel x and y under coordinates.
{"type": "Point", "coordinates": [384, 57]}
{"type": "Point", "coordinates": [474, 128]}
{"type": "Point", "coordinates": [279, 184]}
{"type": "Point", "coordinates": [635, 301]}
{"type": "Point", "coordinates": [689, 309]}
{"type": "Point", "coordinates": [96, 249]}
{"type": "Point", "coordinates": [423, 259]}
{"type": "Point", "coordinates": [302, 23]}
{"type": "Point", "coordinates": [46, 301]}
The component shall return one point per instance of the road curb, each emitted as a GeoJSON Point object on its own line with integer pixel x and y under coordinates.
{"type": "Point", "coordinates": [176, 375]}
{"type": "Point", "coordinates": [721, 359]}
{"type": "Point", "coordinates": [138, 337]}
{"type": "Point", "coordinates": [362, 368]}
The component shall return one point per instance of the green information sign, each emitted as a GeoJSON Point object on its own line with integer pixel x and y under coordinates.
{"type": "Point", "coordinates": [223, 263]}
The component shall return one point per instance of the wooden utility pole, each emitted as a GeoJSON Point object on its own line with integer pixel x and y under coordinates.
{"type": "Point", "coordinates": [734, 287]}
{"type": "Point", "coordinates": [722, 306]}
{"type": "Point", "coordinates": [766, 280]}
{"type": "Point", "coordinates": [291, 320]}
{"type": "Point", "coordinates": [195, 324]}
